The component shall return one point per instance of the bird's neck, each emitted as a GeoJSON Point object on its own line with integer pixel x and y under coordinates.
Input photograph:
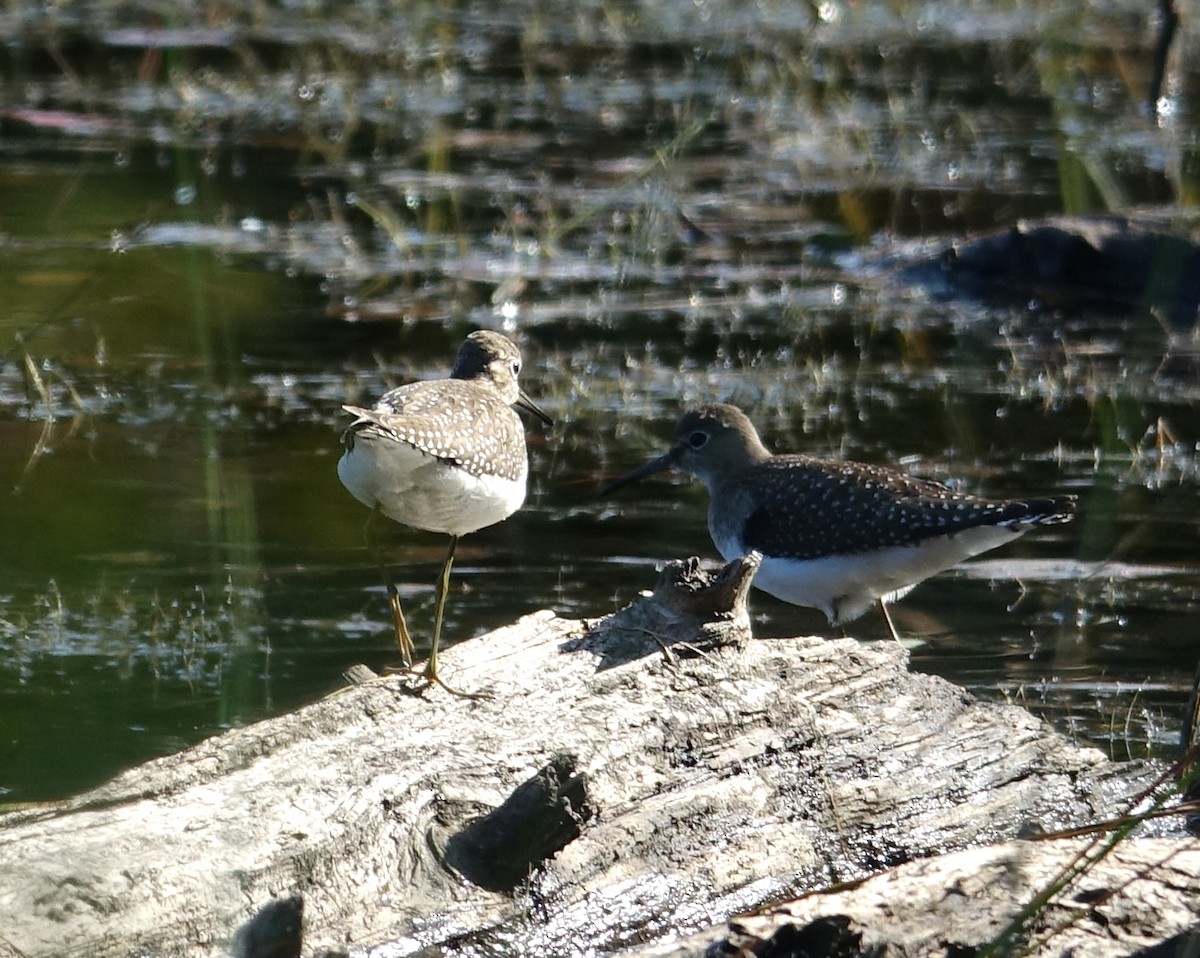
{"type": "Point", "coordinates": [507, 391]}
{"type": "Point", "coordinates": [720, 476]}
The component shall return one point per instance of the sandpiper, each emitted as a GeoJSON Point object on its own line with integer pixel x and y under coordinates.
{"type": "Point", "coordinates": [836, 536]}
{"type": "Point", "coordinates": [445, 455]}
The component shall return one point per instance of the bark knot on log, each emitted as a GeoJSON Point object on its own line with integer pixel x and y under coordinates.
{"type": "Point", "coordinates": [689, 608]}
{"type": "Point", "coordinates": [499, 850]}
{"type": "Point", "coordinates": [688, 591]}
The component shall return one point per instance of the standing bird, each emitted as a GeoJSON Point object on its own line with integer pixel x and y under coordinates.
{"type": "Point", "coordinates": [835, 536]}
{"type": "Point", "coordinates": [446, 455]}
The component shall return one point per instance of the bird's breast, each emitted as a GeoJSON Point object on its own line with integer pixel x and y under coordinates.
{"type": "Point", "coordinates": [422, 491]}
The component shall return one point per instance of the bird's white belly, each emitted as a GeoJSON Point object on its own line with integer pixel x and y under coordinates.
{"type": "Point", "coordinates": [846, 586]}
{"type": "Point", "coordinates": [424, 492]}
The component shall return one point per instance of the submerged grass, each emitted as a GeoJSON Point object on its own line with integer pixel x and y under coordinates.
{"type": "Point", "coordinates": [189, 640]}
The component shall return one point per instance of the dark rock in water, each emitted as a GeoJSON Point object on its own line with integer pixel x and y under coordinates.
{"type": "Point", "coordinates": [1072, 264]}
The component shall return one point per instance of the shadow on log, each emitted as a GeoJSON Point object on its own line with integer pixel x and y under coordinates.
{"type": "Point", "coordinates": [634, 779]}
{"type": "Point", "coordinates": [275, 932]}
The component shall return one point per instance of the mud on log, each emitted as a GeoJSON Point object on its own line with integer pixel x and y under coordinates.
{"type": "Point", "coordinates": [634, 777]}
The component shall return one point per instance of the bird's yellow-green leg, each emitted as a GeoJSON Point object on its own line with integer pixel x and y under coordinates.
{"type": "Point", "coordinates": [403, 639]}
{"type": "Point", "coordinates": [887, 618]}
{"type": "Point", "coordinates": [431, 667]}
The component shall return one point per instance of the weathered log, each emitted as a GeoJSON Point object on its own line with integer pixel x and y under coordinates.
{"type": "Point", "coordinates": [1142, 895]}
{"type": "Point", "coordinates": [652, 773]}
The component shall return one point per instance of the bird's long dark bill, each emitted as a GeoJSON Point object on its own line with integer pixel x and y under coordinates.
{"type": "Point", "coordinates": [653, 466]}
{"type": "Point", "coordinates": [530, 406]}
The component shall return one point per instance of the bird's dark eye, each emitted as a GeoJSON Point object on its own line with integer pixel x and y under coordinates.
{"type": "Point", "coordinates": [516, 367]}
{"type": "Point", "coordinates": [697, 439]}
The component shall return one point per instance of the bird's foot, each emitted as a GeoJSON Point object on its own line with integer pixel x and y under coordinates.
{"type": "Point", "coordinates": [433, 678]}
{"type": "Point", "coordinates": [422, 682]}
{"type": "Point", "coordinates": [405, 668]}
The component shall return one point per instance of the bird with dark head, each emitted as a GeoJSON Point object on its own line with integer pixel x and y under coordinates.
{"type": "Point", "coordinates": [834, 535]}
{"type": "Point", "coordinates": [444, 455]}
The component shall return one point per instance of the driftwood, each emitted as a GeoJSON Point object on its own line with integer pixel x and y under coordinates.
{"type": "Point", "coordinates": [634, 778]}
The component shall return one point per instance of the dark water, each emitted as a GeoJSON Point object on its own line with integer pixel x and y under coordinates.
{"type": "Point", "coordinates": [206, 248]}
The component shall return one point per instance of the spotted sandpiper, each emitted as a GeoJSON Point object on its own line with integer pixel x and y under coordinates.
{"type": "Point", "coordinates": [835, 536]}
{"type": "Point", "coordinates": [445, 455]}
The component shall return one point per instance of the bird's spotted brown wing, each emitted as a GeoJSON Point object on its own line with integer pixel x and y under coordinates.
{"type": "Point", "coordinates": [451, 420]}
{"type": "Point", "coordinates": [808, 508]}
